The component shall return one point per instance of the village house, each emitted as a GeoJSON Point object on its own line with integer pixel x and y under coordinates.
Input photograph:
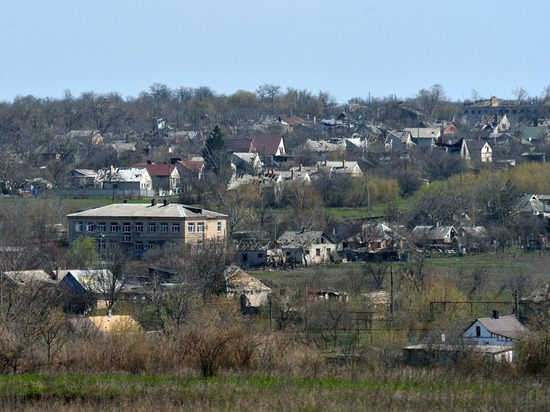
{"type": "Point", "coordinates": [306, 247]}
{"type": "Point", "coordinates": [81, 178]}
{"type": "Point", "coordinates": [246, 161]}
{"type": "Point", "coordinates": [125, 180]}
{"type": "Point", "coordinates": [270, 147]}
{"type": "Point", "coordinates": [325, 148]}
{"type": "Point", "coordinates": [260, 252]}
{"type": "Point", "coordinates": [396, 141]}
{"type": "Point", "coordinates": [239, 146]}
{"type": "Point", "coordinates": [476, 151]}
{"type": "Point", "coordinates": [348, 167]}
{"type": "Point", "coordinates": [424, 137]}
{"type": "Point", "coordinates": [435, 236]}
{"type": "Point", "coordinates": [143, 226]}
{"type": "Point", "coordinates": [165, 177]}
{"type": "Point", "coordinates": [494, 124]}
{"type": "Point", "coordinates": [531, 133]}
{"type": "Point", "coordinates": [495, 331]}
{"type": "Point", "coordinates": [84, 288]}
{"type": "Point", "coordinates": [190, 169]}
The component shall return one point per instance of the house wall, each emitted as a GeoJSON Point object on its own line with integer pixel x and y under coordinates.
{"type": "Point", "coordinates": [319, 253]}
{"type": "Point", "coordinates": [485, 337]}
{"type": "Point", "coordinates": [254, 298]}
{"type": "Point", "coordinates": [253, 257]}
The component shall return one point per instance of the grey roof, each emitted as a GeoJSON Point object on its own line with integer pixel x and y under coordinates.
{"type": "Point", "coordinates": [24, 277]}
{"type": "Point", "coordinates": [434, 232]}
{"type": "Point", "coordinates": [257, 244]}
{"type": "Point", "coordinates": [88, 278]}
{"type": "Point", "coordinates": [130, 210]}
{"type": "Point", "coordinates": [508, 326]}
{"type": "Point", "coordinates": [379, 231]}
{"type": "Point", "coordinates": [475, 145]}
{"type": "Point", "coordinates": [291, 239]}
{"type": "Point", "coordinates": [82, 173]}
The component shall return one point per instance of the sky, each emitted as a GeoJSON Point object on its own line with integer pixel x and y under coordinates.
{"type": "Point", "coordinates": [348, 48]}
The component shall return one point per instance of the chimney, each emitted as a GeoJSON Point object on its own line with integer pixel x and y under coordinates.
{"type": "Point", "coordinates": [496, 315]}
{"type": "Point", "coordinates": [112, 170]}
{"type": "Point", "coordinates": [344, 164]}
{"type": "Point", "coordinates": [318, 166]}
{"type": "Point", "coordinates": [165, 202]}
{"type": "Point", "coordinates": [494, 101]}
{"type": "Point", "coordinates": [149, 162]}
{"type": "Point", "coordinates": [56, 273]}
{"type": "Point", "coordinates": [303, 229]}
{"type": "Point", "coordinates": [325, 162]}
{"type": "Point", "coordinates": [127, 138]}
{"type": "Point", "coordinates": [300, 167]}
{"type": "Point", "coordinates": [153, 202]}
{"type": "Point", "coordinates": [292, 174]}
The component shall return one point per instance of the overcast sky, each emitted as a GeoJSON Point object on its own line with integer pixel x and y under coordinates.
{"type": "Point", "coordinates": [346, 47]}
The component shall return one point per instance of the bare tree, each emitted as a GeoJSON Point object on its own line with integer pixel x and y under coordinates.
{"type": "Point", "coordinates": [111, 281]}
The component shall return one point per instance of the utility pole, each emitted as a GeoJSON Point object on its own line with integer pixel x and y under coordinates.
{"type": "Point", "coordinates": [391, 289]}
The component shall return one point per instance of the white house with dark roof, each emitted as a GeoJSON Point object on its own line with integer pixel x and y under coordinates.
{"type": "Point", "coordinates": [476, 151]}
{"type": "Point", "coordinates": [496, 331]}
{"type": "Point", "coordinates": [144, 226]}
{"type": "Point", "coordinates": [425, 137]}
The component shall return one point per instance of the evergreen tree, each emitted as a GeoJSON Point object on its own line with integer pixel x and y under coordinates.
{"type": "Point", "coordinates": [216, 158]}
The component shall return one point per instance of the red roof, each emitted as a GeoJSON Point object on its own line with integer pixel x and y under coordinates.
{"type": "Point", "coordinates": [294, 120]}
{"type": "Point", "coordinates": [239, 146]}
{"type": "Point", "coordinates": [157, 170]}
{"type": "Point", "coordinates": [194, 166]}
{"type": "Point", "coordinates": [266, 143]}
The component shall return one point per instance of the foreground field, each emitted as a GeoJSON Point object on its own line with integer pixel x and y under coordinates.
{"type": "Point", "coordinates": [398, 390]}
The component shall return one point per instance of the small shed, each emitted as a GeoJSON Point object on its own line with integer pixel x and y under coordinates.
{"type": "Point", "coordinates": [251, 291]}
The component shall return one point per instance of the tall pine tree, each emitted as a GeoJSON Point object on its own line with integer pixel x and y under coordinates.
{"type": "Point", "coordinates": [216, 158]}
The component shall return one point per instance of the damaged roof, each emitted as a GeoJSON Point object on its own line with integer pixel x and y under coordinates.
{"type": "Point", "coordinates": [237, 280]}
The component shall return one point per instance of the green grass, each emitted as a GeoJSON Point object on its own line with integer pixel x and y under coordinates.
{"type": "Point", "coordinates": [411, 390]}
